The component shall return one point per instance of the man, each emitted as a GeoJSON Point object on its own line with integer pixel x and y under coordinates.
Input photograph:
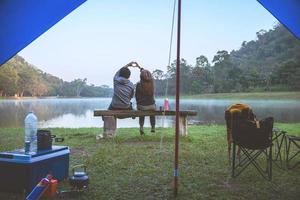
{"type": "Point", "coordinates": [123, 93]}
{"type": "Point", "coordinates": [123, 89]}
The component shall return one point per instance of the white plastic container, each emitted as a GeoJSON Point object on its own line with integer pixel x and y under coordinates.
{"type": "Point", "coordinates": [30, 133]}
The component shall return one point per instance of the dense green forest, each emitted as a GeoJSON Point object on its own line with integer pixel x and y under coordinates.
{"type": "Point", "coordinates": [269, 63]}
{"type": "Point", "coordinates": [19, 78]}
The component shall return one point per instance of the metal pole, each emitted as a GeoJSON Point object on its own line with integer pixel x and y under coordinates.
{"type": "Point", "coordinates": [176, 171]}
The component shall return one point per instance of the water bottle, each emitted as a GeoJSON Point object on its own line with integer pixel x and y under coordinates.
{"type": "Point", "coordinates": [166, 104]}
{"type": "Point", "coordinates": [30, 133]}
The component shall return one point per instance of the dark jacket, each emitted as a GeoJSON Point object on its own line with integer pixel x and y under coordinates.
{"type": "Point", "coordinates": [142, 98]}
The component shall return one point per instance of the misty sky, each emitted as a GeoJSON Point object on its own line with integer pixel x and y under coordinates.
{"type": "Point", "coordinates": [101, 36]}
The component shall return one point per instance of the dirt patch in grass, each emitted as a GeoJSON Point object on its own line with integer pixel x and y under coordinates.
{"type": "Point", "coordinates": [78, 152]}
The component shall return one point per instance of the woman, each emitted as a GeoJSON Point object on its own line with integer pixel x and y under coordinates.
{"type": "Point", "coordinates": [144, 95]}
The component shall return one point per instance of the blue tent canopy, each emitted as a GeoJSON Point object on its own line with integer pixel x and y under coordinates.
{"type": "Point", "coordinates": [287, 12]}
{"type": "Point", "coordinates": [22, 21]}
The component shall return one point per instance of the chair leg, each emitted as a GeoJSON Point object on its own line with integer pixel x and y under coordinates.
{"type": "Point", "coordinates": [270, 163]}
{"type": "Point", "coordinates": [238, 154]}
{"type": "Point", "coordinates": [286, 152]}
{"type": "Point", "coordinates": [233, 160]}
{"type": "Point", "coordinates": [279, 151]}
{"type": "Point", "coordinates": [288, 145]}
{"type": "Point", "coordinates": [229, 152]}
{"type": "Point", "coordinates": [267, 153]}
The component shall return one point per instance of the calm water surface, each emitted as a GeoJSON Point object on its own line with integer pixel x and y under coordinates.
{"type": "Point", "coordinates": [74, 113]}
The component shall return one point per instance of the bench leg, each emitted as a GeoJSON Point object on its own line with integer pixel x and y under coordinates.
{"type": "Point", "coordinates": [183, 126]}
{"type": "Point", "coordinates": [109, 126]}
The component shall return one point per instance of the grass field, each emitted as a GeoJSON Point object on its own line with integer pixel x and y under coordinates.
{"type": "Point", "coordinates": [131, 166]}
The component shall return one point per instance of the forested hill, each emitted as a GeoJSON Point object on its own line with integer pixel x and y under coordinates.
{"type": "Point", "coordinates": [275, 55]}
{"type": "Point", "coordinates": [19, 78]}
{"type": "Point", "coordinates": [271, 62]}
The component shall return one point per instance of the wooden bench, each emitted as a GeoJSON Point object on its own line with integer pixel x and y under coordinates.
{"type": "Point", "coordinates": [110, 122]}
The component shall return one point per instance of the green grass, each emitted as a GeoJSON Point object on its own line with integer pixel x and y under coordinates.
{"type": "Point", "coordinates": [250, 95]}
{"type": "Point", "coordinates": [133, 167]}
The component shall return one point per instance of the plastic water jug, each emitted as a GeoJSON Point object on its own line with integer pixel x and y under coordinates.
{"type": "Point", "coordinates": [30, 133]}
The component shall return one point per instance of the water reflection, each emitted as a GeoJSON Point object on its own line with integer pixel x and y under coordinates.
{"type": "Point", "coordinates": [79, 112]}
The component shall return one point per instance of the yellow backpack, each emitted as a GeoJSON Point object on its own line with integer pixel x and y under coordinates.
{"type": "Point", "coordinates": [240, 111]}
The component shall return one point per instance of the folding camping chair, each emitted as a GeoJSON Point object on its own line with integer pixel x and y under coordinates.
{"type": "Point", "coordinates": [254, 138]}
{"type": "Point", "coordinates": [295, 142]}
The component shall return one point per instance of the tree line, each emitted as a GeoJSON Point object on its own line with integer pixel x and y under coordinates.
{"type": "Point", "coordinates": [19, 78]}
{"type": "Point", "coordinates": [269, 63]}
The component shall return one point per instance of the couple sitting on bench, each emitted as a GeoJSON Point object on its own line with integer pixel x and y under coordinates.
{"type": "Point", "coordinates": [124, 92]}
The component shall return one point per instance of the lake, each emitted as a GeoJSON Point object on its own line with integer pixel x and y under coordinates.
{"type": "Point", "coordinates": [78, 112]}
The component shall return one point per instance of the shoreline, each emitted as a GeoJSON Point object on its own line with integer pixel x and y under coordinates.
{"type": "Point", "coordinates": [292, 95]}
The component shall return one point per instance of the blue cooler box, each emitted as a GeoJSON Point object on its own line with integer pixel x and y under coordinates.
{"type": "Point", "coordinates": [20, 172]}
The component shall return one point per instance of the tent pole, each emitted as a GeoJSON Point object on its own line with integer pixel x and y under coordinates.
{"type": "Point", "coordinates": [176, 171]}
